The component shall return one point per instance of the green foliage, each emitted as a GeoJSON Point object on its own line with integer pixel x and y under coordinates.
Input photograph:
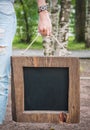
{"type": "Point", "coordinates": [27, 19]}
{"type": "Point", "coordinates": [73, 2]}
{"type": "Point", "coordinates": [17, 44]}
{"type": "Point", "coordinates": [30, 8]}
{"type": "Point", "coordinates": [59, 1]}
{"type": "Point", "coordinates": [73, 45]}
{"type": "Point", "coordinates": [72, 21]}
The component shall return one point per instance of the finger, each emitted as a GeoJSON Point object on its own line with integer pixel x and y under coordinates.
{"type": "Point", "coordinates": [48, 32]}
{"type": "Point", "coordinates": [43, 31]}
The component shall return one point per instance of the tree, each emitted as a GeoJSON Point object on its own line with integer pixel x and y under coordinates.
{"type": "Point", "coordinates": [80, 18]}
{"type": "Point", "coordinates": [26, 21]}
{"type": "Point", "coordinates": [48, 42]}
{"type": "Point", "coordinates": [88, 24]}
{"type": "Point", "coordinates": [60, 28]}
{"type": "Point", "coordinates": [27, 18]}
{"type": "Point", "coordinates": [63, 33]}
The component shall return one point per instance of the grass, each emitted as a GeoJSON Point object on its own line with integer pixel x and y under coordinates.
{"type": "Point", "coordinates": [72, 44]}
{"type": "Point", "coordinates": [22, 45]}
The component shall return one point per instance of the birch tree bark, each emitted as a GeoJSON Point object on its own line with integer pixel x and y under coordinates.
{"type": "Point", "coordinates": [60, 29]}
{"type": "Point", "coordinates": [63, 27]}
{"type": "Point", "coordinates": [48, 42]}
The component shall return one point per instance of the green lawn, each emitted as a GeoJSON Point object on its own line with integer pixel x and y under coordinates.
{"type": "Point", "coordinates": [22, 45]}
{"type": "Point", "coordinates": [72, 45]}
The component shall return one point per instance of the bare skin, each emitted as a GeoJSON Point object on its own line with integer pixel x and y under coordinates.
{"type": "Point", "coordinates": [44, 25]}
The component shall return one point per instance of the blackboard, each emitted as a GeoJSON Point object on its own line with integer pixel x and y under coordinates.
{"type": "Point", "coordinates": [46, 88]}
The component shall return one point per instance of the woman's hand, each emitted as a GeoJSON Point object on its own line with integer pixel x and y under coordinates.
{"type": "Point", "coordinates": [44, 25]}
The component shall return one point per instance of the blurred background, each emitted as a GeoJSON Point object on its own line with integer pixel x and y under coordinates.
{"type": "Point", "coordinates": [70, 21]}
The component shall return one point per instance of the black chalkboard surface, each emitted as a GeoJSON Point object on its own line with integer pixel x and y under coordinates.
{"type": "Point", "coordinates": [46, 88]}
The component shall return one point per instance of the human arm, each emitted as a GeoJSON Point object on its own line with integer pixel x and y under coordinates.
{"type": "Point", "coordinates": [44, 24]}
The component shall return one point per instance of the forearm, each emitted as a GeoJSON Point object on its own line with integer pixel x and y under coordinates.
{"type": "Point", "coordinates": [41, 2]}
{"type": "Point", "coordinates": [44, 25]}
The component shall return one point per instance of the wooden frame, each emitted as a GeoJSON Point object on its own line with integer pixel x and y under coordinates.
{"type": "Point", "coordinates": [17, 90]}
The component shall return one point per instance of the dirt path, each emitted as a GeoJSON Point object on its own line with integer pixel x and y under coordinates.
{"type": "Point", "coordinates": [84, 109]}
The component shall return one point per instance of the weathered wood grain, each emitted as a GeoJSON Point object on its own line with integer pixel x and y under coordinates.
{"type": "Point", "coordinates": [17, 90]}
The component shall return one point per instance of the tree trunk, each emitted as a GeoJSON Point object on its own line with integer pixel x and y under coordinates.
{"type": "Point", "coordinates": [80, 17]}
{"type": "Point", "coordinates": [87, 36]}
{"type": "Point", "coordinates": [63, 27]}
{"type": "Point", "coordinates": [48, 42]}
{"type": "Point", "coordinates": [60, 29]}
{"type": "Point", "coordinates": [26, 22]}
